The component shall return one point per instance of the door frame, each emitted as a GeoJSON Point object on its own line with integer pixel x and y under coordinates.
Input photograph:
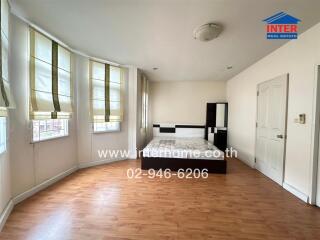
{"type": "Point", "coordinates": [285, 127]}
{"type": "Point", "coordinates": [315, 147]}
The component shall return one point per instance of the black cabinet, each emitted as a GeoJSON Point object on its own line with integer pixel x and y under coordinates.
{"type": "Point", "coordinates": [217, 124]}
{"type": "Point", "coordinates": [220, 139]}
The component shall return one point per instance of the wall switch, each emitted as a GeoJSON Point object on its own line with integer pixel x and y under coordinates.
{"type": "Point", "coordinates": [302, 118]}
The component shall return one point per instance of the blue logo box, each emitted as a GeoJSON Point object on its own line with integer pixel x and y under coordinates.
{"type": "Point", "coordinates": [282, 26]}
{"type": "Point", "coordinates": [282, 35]}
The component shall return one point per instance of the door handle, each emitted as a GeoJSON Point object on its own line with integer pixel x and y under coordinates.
{"type": "Point", "coordinates": [280, 136]}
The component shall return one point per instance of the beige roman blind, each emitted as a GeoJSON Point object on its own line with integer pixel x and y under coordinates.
{"type": "Point", "coordinates": [106, 92]}
{"type": "Point", "coordinates": [144, 102]}
{"type": "Point", "coordinates": [6, 98]}
{"type": "Point", "coordinates": [50, 78]}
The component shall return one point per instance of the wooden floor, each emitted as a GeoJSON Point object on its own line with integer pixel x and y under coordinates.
{"type": "Point", "coordinates": [102, 203]}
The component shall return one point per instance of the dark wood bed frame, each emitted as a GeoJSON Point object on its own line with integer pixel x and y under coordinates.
{"type": "Point", "coordinates": [174, 164]}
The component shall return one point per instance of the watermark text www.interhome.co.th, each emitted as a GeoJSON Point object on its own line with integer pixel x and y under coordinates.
{"type": "Point", "coordinates": [177, 153]}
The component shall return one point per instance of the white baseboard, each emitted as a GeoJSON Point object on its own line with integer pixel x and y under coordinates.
{"type": "Point", "coordinates": [244, 157]}
{"type": "Point", "coordinates": [99, 162]}
{"type": "Point", "coordinates": [19, 198]}
{"type": "Point", "coordinates": [5, 214]}
{"type": "Point", "coordinates": [247, 162]}
{"type": "Point", "coordinates": [296, 192]}
{"type": "Point", "coordinates": [133, 156]}
{"type": "Point", "coordinates": [42, 186]}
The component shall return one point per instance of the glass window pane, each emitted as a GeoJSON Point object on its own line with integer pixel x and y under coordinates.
{"type": "Point", "coordinates": [44, 101]}
{"type": "Point", "coordinates": [48, 129]}
{"type": "Point", "coordinates": [114, 92]}
{"type": "Point", "coordinates": [65, 104]}
{"type": "Point", "coordinates": [5, 17]}
{"type": "Point", "coordinates": [64, 59]}
{"type": "Point", "coordinates": [114, 105]}
{"type": "Point", "coordinates": [106, 127]}
{"type": "Point", "coordinates": [98, 70]}
{"type": "Point", "coordinates": [43, 79]}
{"type": "Point", "coordinates": [64, 83]}
{"type": "Point", "coordinates": [4, 56]}
{"type": "Point", "coordinates": [43, 48]}
{"type": "Point", "coordinates": [3, 134]}
{"type": "Point", "coordinates": [115, 74]}
{"type": "Point", "coordinates": [98, 89]}
{"type": "Point", "coordinates": [98, 107]}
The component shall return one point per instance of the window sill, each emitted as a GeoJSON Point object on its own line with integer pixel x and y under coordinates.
{"type": "Point", "coordinates": [49, 139]}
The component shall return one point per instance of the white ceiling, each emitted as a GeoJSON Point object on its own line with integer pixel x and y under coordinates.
{"type": "Point", "coordinates": [158, 33]}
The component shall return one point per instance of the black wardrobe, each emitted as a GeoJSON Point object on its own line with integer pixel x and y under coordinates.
{"type": "Point", "coordinates": [217, 124]}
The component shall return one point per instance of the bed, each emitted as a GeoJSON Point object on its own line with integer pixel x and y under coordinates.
{"type": "Point", "coordinates": [182, 153]}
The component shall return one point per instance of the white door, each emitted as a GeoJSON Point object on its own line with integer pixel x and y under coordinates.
{"type": "Point", "coordinates": [271, 127]}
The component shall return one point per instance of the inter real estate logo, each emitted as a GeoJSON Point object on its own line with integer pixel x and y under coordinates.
{"type": "Point", "coordinates": [282, 26]}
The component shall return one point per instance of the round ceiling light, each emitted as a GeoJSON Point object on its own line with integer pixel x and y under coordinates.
{"type": "Point", "coordinates": [207, 32]}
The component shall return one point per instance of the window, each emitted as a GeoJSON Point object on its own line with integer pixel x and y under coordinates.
{"type": "Point", "coordinates": [50, 79]}
{"type": "Point", "coordinates": [6, 100]}
{"type": "Point", "coordinates": [50, 87]}
{"type": "Point", "coordinates": [106, 127]}
{"type": "Point", "coordinates": [3, 134]}
{"type": "Point", "coordinates": [106, 89]}
{"type": "Point", "coordinates": [48, 129]}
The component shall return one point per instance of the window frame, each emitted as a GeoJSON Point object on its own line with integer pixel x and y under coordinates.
{"type": "Point", "coordinates": [52, 138]}
{"type": "Point", "coordinates": [105, 131]}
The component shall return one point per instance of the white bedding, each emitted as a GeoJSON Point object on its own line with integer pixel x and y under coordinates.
{"type": "Point", "coordinates": [192, 148]}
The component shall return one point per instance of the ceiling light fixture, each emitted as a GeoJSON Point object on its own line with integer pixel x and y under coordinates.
{"type": "Point", "coordinates": [207, 32]}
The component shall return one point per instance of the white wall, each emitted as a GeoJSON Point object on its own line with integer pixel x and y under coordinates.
{"type": "Point", "coordinates": [5, 181]}
{"type": "Point", "coordinates": [298, 58]}
{"type": "Point", "coordinates": [184, 102]}
{"type": "Point", "coordinates": [89, 143]}
{"type": "Point", "coordinates": [32, 164]}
